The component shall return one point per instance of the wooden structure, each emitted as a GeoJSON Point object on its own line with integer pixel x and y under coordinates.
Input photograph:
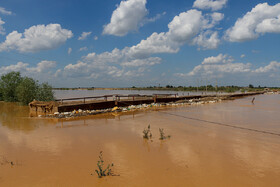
{"type": "Point", "coordinates": [111, 101]}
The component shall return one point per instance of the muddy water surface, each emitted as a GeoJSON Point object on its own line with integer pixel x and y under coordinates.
{"type": "Point", "coordinates": [206, 148]}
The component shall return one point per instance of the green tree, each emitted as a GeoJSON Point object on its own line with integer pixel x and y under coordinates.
{"type": "Point", "coordinates": [45, 93]}
{"type": "Point", "coordinates": [14, 88]}
{"type": "Point", "coordinates": [8, 85]}
{"type": "Point", "coordinates": [26, 91]}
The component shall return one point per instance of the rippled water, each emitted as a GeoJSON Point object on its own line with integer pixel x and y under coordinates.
{"type": "Point", "coordinates": [204, 148]}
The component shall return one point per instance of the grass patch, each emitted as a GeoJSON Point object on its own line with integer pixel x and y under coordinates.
{"type": "Point", "coordinates": [101, 172]}
{"type": "Point", "coordinates": [162, 134]}
{"type": "Point", "coordinates": [147, 134]}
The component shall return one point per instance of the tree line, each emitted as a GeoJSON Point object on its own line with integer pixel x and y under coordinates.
{"type": "Point", "coordinates": [15, 88]}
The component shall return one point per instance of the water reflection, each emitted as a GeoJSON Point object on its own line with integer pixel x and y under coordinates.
{"type": "Point", "coordinates": [197, 154]}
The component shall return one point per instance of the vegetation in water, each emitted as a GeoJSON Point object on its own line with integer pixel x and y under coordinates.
{"type": "Point", "coordinates": [101, 172]}
{"type": "Point", "coordinates": [15, 88]}
{"type": "Point", "coordinates": [147, 134]}
{"type": "Point", "coordinates": [162, 135]}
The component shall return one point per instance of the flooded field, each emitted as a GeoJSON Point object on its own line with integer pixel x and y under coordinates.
{"type": "Point", "coordinates": [232, 143]}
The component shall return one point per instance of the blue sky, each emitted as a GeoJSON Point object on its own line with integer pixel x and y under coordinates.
{"type": "Point", "coordinates": [89, 43]}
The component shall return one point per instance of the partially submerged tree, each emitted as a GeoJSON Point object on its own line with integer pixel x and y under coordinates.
{"type": "Point", "coordinates": [27, 90]}
{"type": "Point", "coordinates": [14, 88]}
{"type": "Point", "coordinates": [8, 84]}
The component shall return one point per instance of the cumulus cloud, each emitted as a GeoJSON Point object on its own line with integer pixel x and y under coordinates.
{"type": "Point", "coordinates": [2, 30]}
{"type": "Point", "coordinates": [210, 4]}
{"type": "Point", "coordinates": [260, 20]}
{"type": "Point", "coordinates": [224, 65]}
{"type": "Point", "coordinates": [127, 17]}
{"type": "Point", "coordinates": [207, 40]}
{"type": "Point", "coordinates": [42, 67]}
{"type": "Point", "coordinates": [182, 29]}
{"type": "Point", "coordinates": [36, 38]}
{"type": "Point", "coordinates": [153, 19]}
{"type": "Point", "coordinates": [4, 11]}
{"type": "Point", "coordinates": [218, 59]}
{"type": "Point", "coordinates": [142, 62]}
{"type": "Point", "coordinates": [136, 60]}
{"type": "Point", "coordinates": [269, 25]}
{"type": "Point", "coordinates": [95, 38]}
{"type": "Point", "coordinates": [84, 35]}
{"type": "Point", "coordinates": [218, 65]}
{"type": "Point", "coordinates": [271, 67]}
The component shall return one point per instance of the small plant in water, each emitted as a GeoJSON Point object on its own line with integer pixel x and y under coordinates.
{"type": "Point", "coordinates": [103, 172]}
{"type": "Point", "coordinates": [147, 133]}
{"type": "Point", "coordinates": [162, 135]}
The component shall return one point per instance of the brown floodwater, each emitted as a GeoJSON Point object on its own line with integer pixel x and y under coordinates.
{"type": "Point", "coordinates": [207, 146]}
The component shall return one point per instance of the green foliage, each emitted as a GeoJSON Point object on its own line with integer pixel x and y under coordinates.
{"type": "Point", "coordinates": [103, 172]}
{"type": "Point", "coordinates": [14, 88]}
{"type": "Point", "coordinates": [45, 93]}
{"type": "Point", "coordinates": [162, 135]}
{"type": "Point", "coordinates": [26, 90]}
{"type": "Point", "coordinates": [147, 133]}
{"type": "Point", "coordinates": [8, 84]}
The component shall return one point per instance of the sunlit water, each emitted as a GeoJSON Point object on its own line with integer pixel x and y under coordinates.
{"type": "Point", "coordinates": [51, 152]}
{"type": "Point", "coordinates": [61, 94]}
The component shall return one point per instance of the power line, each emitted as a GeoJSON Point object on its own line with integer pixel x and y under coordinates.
{"type": "Point", "coordinates": [224, 124]}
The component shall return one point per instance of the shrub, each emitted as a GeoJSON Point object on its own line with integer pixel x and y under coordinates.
{"type": "Point", "coordinates": [8, 84]}
{"type": "Point", "coordinates": [14, 88]}
{"type": "Point", "coordinates": [103, 172]}
{"type": "Point", "coordinates": [147, 133]}
{"type": "Point", "coordinates": [27, 90]}
{"type": "Point", "coordinates": [162, 135]}
{"type": "Point", "coordinates": [45, 93]}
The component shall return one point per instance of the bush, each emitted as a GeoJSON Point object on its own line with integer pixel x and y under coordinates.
{"type": "Point", "coordinates": [27, 90]}
{"type": "Point", "coordinates": [45, 93]}
{"type": "Point", "coordinates": [14, 88]}
{"type": "Point", "coordinates": [8, 84]}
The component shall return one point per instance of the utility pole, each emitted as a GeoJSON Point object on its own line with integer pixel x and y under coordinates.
{"type": "Point", "coordinates": [216, 86]}
{"type": "Point", "coordinates": [197, 85]}
{"type": "Point", "coordinates": [206, 86]}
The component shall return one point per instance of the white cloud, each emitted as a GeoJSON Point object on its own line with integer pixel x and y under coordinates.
{"type": "Point", "coordinates": [83, 49]}
{"type": "Point", "coordinates": [95, 38]}
{"type": "Point", "coordinates": [69, 50]}
{"type": "Point", "coordinates": [4, 11]}
{"type": "Point", "coordinates": [136, 60]}
{"type": "Point", "coordinates": [41, 67]}
{"type": "Point", "coordinates": [153, 19]}
{"type": "Point", "coordinates": [269, 25]}
{"type": "Point", "coordinates": [186, 25]}
{"type": "Point", "coordinates": [2, 30]}
{"type": "Point", "coordinates": [219, 70]}
{"type": "Point", "coordinates": [223, 65]}
{"type": "Point", "coordinates": [271, 67]}
{"type": "Point", "coordinates": [84, 35]}
{"type": "Point", "coordinates": [218, 59]}
{"type": "Point", "coordinates": [210, 4]}
{"type": "Point", "coordinates": [142, 62]}
{"type": "Point", "coordinates": [260, 20]}
{"type": "Point", "coordinates": [36, 38]}
{"type": "Point", "coordinates": [242, 56]}
{"type": "Point", "coordinates": [207, 40]}
{"type": "Point", "coordinates": [182, 29]}
{"type": "Point", "coordinates": [20, 66]}
{"type": "Point", "coordinates": [127, 17]}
